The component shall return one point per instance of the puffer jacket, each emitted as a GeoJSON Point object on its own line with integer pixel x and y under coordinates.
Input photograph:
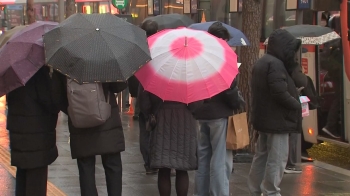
{"type": "Point", "coordinates": [31, 121]}
{"type": "Point", "coordinates": [275, 100]}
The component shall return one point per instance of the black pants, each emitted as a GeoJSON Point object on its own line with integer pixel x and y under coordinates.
{"type": "Point", "coordinates": [112, 164]}
{"type": "Point", "coordinates": [144, 139]}
{"type": "Point", "coordinates": [31, 181]}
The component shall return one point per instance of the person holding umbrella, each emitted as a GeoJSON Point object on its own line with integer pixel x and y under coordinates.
{"type": "Point", "coordinates": [32, 116]}
{"type": "Point", "coordinates": [104, 63]}
{"type": "Point", "coordinates": [214, 161]}
{"type": "Point", "coordinates": [187, 67]}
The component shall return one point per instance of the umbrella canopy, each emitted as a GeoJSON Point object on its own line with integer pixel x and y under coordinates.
{"type": "Point", "coordinates": [96, 48]}
{"type": "Point", "coordinates": [8, 34]}
{"type": "Point", "coordinates": [22, 56]}
{"type": "Point", "coordinates": [311, 34]}
{"type": "Point", "coordinates": [188, 65]}
{"type": "Point", "coordinates": [237, 37]}
{"type": "Point", "coordinates": [171, 21]}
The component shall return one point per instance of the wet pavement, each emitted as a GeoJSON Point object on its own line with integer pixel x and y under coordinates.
{"type": "Point", "coordinates": [63, 173]}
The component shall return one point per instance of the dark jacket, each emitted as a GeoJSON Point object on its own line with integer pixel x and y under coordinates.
{"type": "Point", "coordinates": [275, 101]}
{"type": "Point", "coordinates": [31, 121]}
{"type": "Point", "coordinates": [173, 143]}
{"type": "Point", "coordinates": [221, 105]}
{"type": "Point", "coordinates": [104, 139]}
{"type": "Point", "coordinates": [133, 84]}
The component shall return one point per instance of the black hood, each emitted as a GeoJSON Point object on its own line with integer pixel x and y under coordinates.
{"type": "Point", "coordinates": [283, 46]}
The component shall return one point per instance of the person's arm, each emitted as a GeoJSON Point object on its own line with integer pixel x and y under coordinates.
{"type": "Point", "coordinates": [117, 87]}
{"type": "Point", "coordinates": [233, 97]}
{"type": "Point", "coordinates": [299, 77]}
{"type": "Point", "coordinates": [59, 91]}
{"type": "Point", "coordinates": [277, 81]}
{"type": "Point", "coordinates": [144, 99]}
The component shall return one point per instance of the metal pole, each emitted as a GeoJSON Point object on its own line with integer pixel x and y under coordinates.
{"type": "Point", "coordinates": [60, 10]}
{"type": "Point", "coordinates": [299, 20]}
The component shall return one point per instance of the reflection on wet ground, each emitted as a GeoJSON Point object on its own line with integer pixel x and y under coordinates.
{"type": "Point", "coordinates": [63, 173]}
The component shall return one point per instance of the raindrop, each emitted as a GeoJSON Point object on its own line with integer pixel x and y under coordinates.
{"type": "Point", "coordinates": [97, 29]}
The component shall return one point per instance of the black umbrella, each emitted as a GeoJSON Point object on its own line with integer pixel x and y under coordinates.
{"type": "Point", "coordinates": [96, 48]}
{"type": "Point", "coordinates": [171, 21]}
{"type": "Point", "coordinates": [312, 34]}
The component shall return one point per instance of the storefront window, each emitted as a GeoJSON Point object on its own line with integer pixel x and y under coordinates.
{"type": "Point", "coordinates": [276, 16]}
{"type": "Point", "coordinates": [172, 6]}
{"type": "Point", "coordinates": [138, 10]}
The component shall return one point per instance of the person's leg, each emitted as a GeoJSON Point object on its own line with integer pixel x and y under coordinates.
{"type": "Point", "coordinates": [182, 183]}
{"type": "Point", "coordinates": [219, 177]}
{"type": "Point", "coordinates": [204, 152]}
{"type": "Point", "coordinates": [164, 182]}
{"type": "Point", "coordinates": [144, 138]}
{"type": "Point", "coordinates": [277, 147]}
{"type": "Point", "coordinates": [292, 155]}
{"type": "Point", "coordinates": [20, 182]}
{"type": "Point", "coordinates": [229, 163]}
{"type": "Point", "coordinates": [36, 181]}
{"type": "Point", "coordinates": [257, 169]}
{"type": "Point", "coordinates": [136, 108]}
{"type": "Point", "coordinates": [86, 168]}
{"type": "Point", "coordinates": [112, 164]}
{"type": "Point", "coordinates": [331, 127]}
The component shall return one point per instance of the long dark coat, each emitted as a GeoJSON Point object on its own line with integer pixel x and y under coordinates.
{"type": "Point", "coordinates": [31, 121]}
{"type": "Point", "coordinates": [173, 143]}
{"type": "Point", "coordinates": [107, 138]}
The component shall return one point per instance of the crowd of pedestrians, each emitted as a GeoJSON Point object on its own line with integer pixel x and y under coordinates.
{"type": "Point", "coordinates": [186, 136]}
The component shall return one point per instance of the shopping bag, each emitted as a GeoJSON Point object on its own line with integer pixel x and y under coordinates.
{"type": "Point", "coordinates": [237, 132]}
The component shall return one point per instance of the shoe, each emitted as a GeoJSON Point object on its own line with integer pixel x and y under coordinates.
{"type": "Point", "coordinates": [292, 170]}
{"type": "Point", "coordinates": [135, 117]}
{"type": "Point", "coordinates": [330, 133]}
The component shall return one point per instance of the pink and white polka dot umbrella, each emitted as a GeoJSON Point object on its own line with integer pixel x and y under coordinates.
{"type": "Point", "coordinates": [187, 65]}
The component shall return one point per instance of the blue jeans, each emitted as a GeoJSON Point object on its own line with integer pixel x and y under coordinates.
{"type": "Point", "coordinates": [214, 161]}
{"type": "Point", "coordinates": [268, 165]}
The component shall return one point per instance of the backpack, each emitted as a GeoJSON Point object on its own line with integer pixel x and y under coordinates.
{"type": "Point", "coordinates": [88, 106]}
{"type": "Point", "coordinates": [310, 92]}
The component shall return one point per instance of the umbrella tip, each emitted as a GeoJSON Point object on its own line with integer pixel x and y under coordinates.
{"type": "Point", "coordinates": [186, 41]}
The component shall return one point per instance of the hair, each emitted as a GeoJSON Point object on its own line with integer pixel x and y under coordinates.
{"type": "Point", "coordinates": [150, 26]}
{"type": "Point", "coordinates": [219, 31]}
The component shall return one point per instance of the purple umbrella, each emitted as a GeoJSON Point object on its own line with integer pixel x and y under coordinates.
{"type": "Point", "coordinates": [22, 56]}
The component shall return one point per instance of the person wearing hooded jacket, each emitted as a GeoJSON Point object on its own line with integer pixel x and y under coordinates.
{"type": "Point", "coordinates": [31, 121]}
{"type": "Point", "coordinates": [276, 112]}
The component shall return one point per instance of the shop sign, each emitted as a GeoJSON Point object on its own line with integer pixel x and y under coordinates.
{"type": "Point", "coordinates": [304, 4]}
{"type": "Point", "coordinates": [120, 4]}
{"type": "Point", "coordinates": [14, 15]}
